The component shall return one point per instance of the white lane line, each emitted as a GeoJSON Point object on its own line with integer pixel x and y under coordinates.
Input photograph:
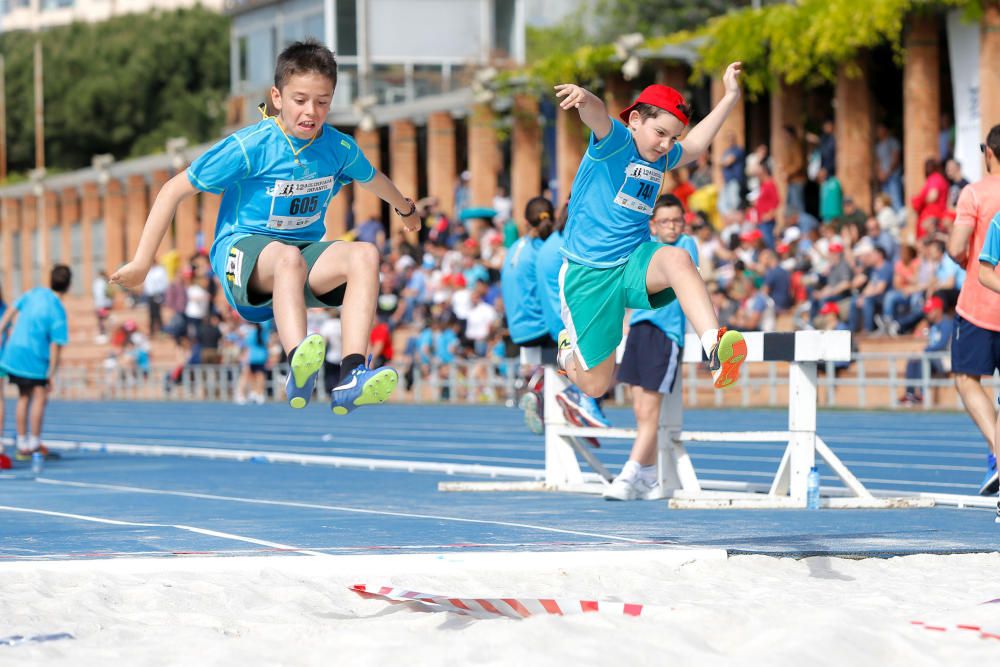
{"type": "Point", "coordinates": [333, 508]}
{"type": "Point", "coordinates": [191, 529]}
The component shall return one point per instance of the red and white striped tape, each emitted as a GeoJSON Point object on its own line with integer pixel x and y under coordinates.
{"type": "Point", "coordinates": [965, 628]}
{"type": "Point", "coordinates": [494, 607]}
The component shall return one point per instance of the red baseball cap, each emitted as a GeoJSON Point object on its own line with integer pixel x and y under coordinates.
{"type": "Point", "coordinates": [751, 235]}
{"type": "Point", "coordinates": [661, 96]}
{"type": "Point", "coordinates": [836, 247]}
{"type": "Point", "coordinates": [932, 303]}
{"type": "Point", "coordinates": [829, 308]}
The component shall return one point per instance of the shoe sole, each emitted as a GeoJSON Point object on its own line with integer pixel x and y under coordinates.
{"type": "Point", "coordinates": [991, 486]}
{"type": "Point", "coordinates": [533, 420]}
{"type": "Point", "coordinates": [305, 363]}
{"type": "Point", "coordinates": [377, 389]}
{"type": "Point", "coordinates": [732, 351]}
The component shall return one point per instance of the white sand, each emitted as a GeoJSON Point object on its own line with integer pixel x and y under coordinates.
{"type": "Point", "coordinates": [750, 610]}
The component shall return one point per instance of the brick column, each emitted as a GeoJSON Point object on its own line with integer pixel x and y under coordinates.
{"type": "Point", "coordinates": [367, 204]}
{"type": "Point", "coordinates": [69, 216]}
{"type": "Point", "coordinates": [186, 227]}
{"type": "Point", "coordinates": [90, 210]}
{"type": "Point", "coordinates": [114, 226]}
{"type": "Point", "coordinates": [570, 146]}
{"type": "Point", "coordinates": [735, 125]}
{"type": "Point", "coordinates": [526, 156]}
{"type": "Point", "coordinates": [136, 209]}
{"type": "Point", "coordinates": [403, 138]}
{"type": "Point", "coordinates": [29, 260]}
{"type": "Point", "coordinates": [921, 99]}
{"type": "Point", "coordinates": [989, 74]}
{"type": "Point", "coordinates": [617, 93]}
{"type": "Point", "coordinates": [10, 209]}
{"type": "Point", "coordinates": [210, 204]}
{"type": "Point", "coordinates": [673, 75]}
{"type": "Point", "coordinates": [483, 156]}
{"type": "Point", "coordinates": [336, 214]}
{"type": "Point", "coordinates": [855, 137]}
{"type": "Point", "coordinates": [442, 162]}
{"type": "Point", "coordinates": [786, 109]}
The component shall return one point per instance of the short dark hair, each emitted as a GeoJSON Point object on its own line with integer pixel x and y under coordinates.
{"type": "Point", "coordinates": [60, 278]}
{"type": "Point", "coordinates": [538, 209]}
{"type": "Point", "coordinates": [304, 58]}
{"type": "Point", "coordinates": [647, 111]}
{"type": "Point", "coordinates": [668, 200]}
{"type": "Point", "coordinates": [993, 141]}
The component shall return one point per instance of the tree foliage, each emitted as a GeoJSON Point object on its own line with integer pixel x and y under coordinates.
{"type": "Point", "coordinates": [122, 87]}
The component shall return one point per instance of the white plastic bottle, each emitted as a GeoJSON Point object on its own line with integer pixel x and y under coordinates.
{"type": "Point", "coordinates": [812, 489]}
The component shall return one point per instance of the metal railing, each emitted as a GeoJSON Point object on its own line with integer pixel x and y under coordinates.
{"type": "Point", "coordinates": [873, 380]}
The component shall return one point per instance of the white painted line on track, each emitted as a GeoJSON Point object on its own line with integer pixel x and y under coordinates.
{"type": "Point", "coordinates": [191, 529]}
{"type": "Point", "coordinates": [334, 508]}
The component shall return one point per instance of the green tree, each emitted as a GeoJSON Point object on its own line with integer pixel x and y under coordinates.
{"type": "Point", "coordinates": [122, 86]}
{"type": "Point", "coordinates": [656, 18]}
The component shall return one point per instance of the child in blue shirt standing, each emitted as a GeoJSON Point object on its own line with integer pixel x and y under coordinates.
{"type": "Point", "coordinates": [610, 263]}
{"type": "Point", "coordinates": [277, 178]}
{"type": "Point", "coordinates": [38, 331]}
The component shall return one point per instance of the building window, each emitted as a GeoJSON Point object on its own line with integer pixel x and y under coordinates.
{"type": "Point", "coordinates": [503, 28]}
{"type": "Point", "coordinates": [347, 28]}
{"type": "Point", "coordinates": [244, 56]}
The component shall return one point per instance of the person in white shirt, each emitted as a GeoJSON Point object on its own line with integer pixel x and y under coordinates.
{"type": "Point", "coordinates": [154, 288]}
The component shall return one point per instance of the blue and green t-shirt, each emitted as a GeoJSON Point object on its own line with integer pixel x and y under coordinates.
{"type": "Point", "coordinates": [613, 196]}
{"type": "Point", "coordinates": [275, 184]}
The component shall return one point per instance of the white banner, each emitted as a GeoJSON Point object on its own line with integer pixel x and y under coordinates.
{"type": "Point", "coordinates": [963, 55]}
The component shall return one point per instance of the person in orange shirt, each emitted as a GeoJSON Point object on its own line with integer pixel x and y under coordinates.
{"type": "Point", "coordinates": [975, 346]}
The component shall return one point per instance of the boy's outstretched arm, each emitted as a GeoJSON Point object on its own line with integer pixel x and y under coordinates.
{"type": "Point", "coordinates": [389, 193]}
{"type": "Point", "coordinates": [173, 192]}
{"type": "Point", "coordinates": [7, 320]}
{"type": "Point", "coordinates": [593, 113]}
{"type": "Point", "coordinates": [700, 137]}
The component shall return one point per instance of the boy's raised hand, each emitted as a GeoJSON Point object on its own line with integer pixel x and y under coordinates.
{"type": "Point", "coordinates": [731, 79]}
{"type": "Point", "coordinates": [131, 275]}
{"type": "Point", "coordinates": [574, 96]}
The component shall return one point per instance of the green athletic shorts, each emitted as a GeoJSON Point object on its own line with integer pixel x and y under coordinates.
{"type": "Point", "coordinates": [240, 263]}
{"type": "Point", "coordinates": [594, 302]}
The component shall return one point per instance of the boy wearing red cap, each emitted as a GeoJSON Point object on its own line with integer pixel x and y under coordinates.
{"type": "Point", "coordinates": [938, 338]}
{"type": "Point", "coordinates": [610, 263]}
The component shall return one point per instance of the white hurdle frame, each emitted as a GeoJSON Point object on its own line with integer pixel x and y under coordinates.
{"type": "Point", "coordinates": [679, 481]}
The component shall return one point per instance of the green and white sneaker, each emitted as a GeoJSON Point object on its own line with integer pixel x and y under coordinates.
{"type": "Point", "coordinates": [304, 365]}
{"type": "Point", "coordinates": [363, 386]}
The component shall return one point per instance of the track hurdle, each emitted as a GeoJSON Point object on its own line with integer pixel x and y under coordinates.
{"type": "Point", "coordinates": [679, 481]}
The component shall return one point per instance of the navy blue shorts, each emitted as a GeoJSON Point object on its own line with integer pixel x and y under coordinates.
{"type": "Point", "coordinates": [651, 359]}
{"type": "Point", "coordinates": [974, 351]}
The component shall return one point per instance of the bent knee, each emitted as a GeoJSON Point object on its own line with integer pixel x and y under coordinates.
{"type": "Point", "coordinates": [289, 259]}
{"type": "Point", "coordinates": [595, 387]}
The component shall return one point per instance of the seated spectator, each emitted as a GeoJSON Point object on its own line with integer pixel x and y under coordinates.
{"type": "Point", "coordinates": [938, 333]}
{"type": "Point", "coordinates": [906, 294]}
{"type": "Point", "coordinates": [868, 302]}
{"type": "Point", "coordinates": [932, 200]}
{"type": "Point", "coordinates": [777, 281]}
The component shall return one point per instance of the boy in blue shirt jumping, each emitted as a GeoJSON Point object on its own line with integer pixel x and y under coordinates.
{"type": "Point", "coordinates": [276, 179]}
{"type": "Point", "coordinates": [30, 358]}
{"type": "Point", "coordinates": [610, 263]}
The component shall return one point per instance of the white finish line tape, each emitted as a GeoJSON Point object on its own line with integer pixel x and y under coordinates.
{"type": "Point", "coordinates": [497, 607]}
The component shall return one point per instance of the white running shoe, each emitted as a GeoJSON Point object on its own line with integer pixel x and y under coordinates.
{"type": "Point", "coordinates": [635, 488]}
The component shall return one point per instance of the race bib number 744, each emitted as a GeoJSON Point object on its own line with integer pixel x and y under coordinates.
{"type": "Point", "coordinates": [297, 204]}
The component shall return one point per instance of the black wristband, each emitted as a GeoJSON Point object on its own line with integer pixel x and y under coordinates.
{"type": "Point", "coordinates": [413, 209]}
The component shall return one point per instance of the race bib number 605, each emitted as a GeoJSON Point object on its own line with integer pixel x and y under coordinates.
{"type": "Point", "coordinates": [297, 204]}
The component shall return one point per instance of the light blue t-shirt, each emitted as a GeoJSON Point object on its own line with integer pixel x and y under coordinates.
{"type": "Point", "coordinates": [41, 321]}
{"type": "Point", "coordinates": [613, 196]}
{"type": "Point", "coordinates": [256, 344]}
{"type": "Point", "coordinates": [669, 319]}
{"type": "Point", "coordinates": [521, 288]}
{"type": "Point", "coordinates": [275, 185]}
{"type": "Point", "coordinates": [548, 264]}
{"type": "Point", "coordinates": [991, 244]}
